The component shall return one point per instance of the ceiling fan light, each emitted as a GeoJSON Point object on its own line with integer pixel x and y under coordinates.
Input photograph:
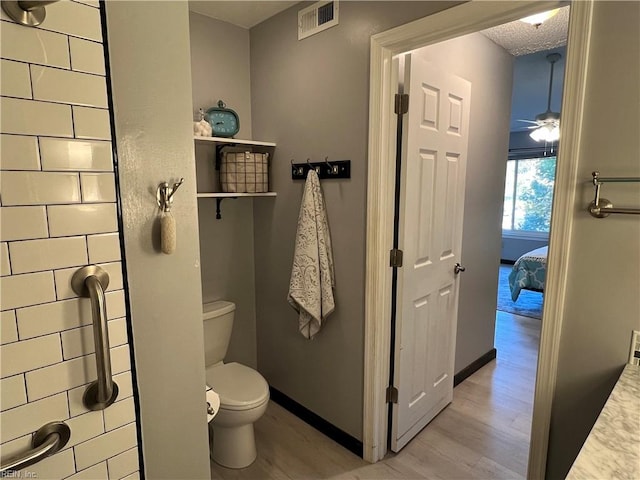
{"type": "Point", "coordinates": [546, 133]}
{"type": "Point", "coordinates": [539, 18]}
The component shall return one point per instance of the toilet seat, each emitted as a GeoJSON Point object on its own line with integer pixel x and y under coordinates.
{"type": "Point", "coordinates": [239, 387]}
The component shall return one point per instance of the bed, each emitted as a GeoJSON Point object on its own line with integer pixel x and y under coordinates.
{"type": "Point", "coordinates": [529, 272]}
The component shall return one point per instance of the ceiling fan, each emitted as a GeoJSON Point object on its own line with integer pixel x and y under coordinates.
{"type": "Point", "coordinates": [547, 124]}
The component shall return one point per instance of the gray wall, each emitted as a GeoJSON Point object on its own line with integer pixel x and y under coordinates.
{"type": "Point", "coordinates": [220, 70]}
{"type": "Point", "coordinates": [489, 69]}
{"type": "Point", "coordinates": [531, 86]}
{"type": "Point", "coordinates": [514, 248]}
{"type": "Point", "coordinates": [220, 67]}
{"type": "Point", "coordinates": [597, 327]}
{"type": "Point", "coordinates": [311, 97]}
{"type": "Point", "coordinates": [152, 116]}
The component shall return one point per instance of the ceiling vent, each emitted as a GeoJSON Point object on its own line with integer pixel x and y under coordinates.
{"type": "Point", "coordinates": [316, 18]}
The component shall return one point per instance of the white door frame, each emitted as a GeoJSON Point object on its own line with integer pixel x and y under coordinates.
{"type": "Point", "coordinates": [461, 20]}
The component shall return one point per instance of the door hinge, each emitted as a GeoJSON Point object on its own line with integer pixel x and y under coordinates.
{"type": "Point", "coordinates": [392, 395]}
{"type": "Point", "coordinates": [395, 257]}
{"type": "Point", "coordinates": [402, 103]}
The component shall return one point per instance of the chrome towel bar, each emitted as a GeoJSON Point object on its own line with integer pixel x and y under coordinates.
{"type": "Point", "coordinates": [91, 281]}
{"type": "Point", "coordinates": [49, 439]}
{"type": "Point", "coordinates": [601, 207]}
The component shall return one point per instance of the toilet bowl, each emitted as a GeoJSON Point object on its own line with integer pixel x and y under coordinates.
{"type": "Point", "coordinates": [243, 392]}
{"type": "Point", "coordinates": [244, 395]}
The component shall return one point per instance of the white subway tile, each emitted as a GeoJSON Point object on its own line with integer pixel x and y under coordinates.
{"type": "Point", "coordinates": [104, 248]}
{"type": "Point", "coordinates": [19, 357]}
{"type": "Point", "coordinates": [56, 466]}
{"type": "Point", "coordinates": [34, 45]}
{"type": "Point", "coordinates": [9, 328]}
{"type": "Point", "coordinates": [116, 307]}
{"type": "Point", "coordinates": [12, 392]}
{"type": "Point", "coordinates": [5, 265]}
{"type": "Point", "coordinates": [67, 154]}
{"type": "Point", "coordinates": [47, 254]}
{"type": "Point", "coordinates": [39, 188]}
{"type": "Point", "coordinates": [124, 464]}
{"type": "Point", "coordinates": [125, 389]}
{"type": "Point", "coordinates": [19, 153]}
{"type": "Point", "coordinates": [79, 341]}
{"type": "Point", "coordinates": [133, 476]}
{"type": "Point", "coordinates": [74, 19]}
{"type": "Point", "coordinates": [66, 220]}
{"type": "Point", "coordinates": [29, 289]}
{"type": "Point", "coordinates": [14, 447]}
{"type": "Point", "coordinates": [23, 223]}
{"type": "Point", "coordinates": [65, 86]}
{"type": "Point", "coordinates": [125, 384]}
{"type": "Point", "coordinates": [53, 317]}
{"type": "Point", "coordinates": [98, 187]}
{"type": "Point", "coordinates": [30, 117]}
{"type": "Point", "coordinates": [14, 79]}
{"type": "Point", "coordinates": [120, 360]}
{"type": "Point", "coordinates": [63, 279]}
{"type": "Point", "coordinates": [105, 446]}
{"type": "Point", "coordinates": [118, 332]}
{"type": "Point", "coordinates": [30, 417]}
{"type": "Point", "coordinates": [91, 3]}
{"type": "Point", "coordinates": [86, 56]}
{"type": "Point", "coordinates": [85, 427]}
{"type": "Point", "coordinates": [118, 414]}
{"type": "Point", "coordinates": [91, 123]}
{"type": "Point", "coordinates": [60, 377]}
{"type": "Point", "coordinates": [97, 472]}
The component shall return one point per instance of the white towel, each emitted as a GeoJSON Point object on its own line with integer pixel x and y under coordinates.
{"type": "Point", "coordinates": [312, 275]}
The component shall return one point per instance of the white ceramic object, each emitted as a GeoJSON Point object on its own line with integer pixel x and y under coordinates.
{"type": "Point", "coordinates": [243, 392]}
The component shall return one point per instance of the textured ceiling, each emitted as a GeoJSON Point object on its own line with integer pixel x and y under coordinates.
{"type": "Point", "coordinates": [242, 13]}
{"type": "Point", "coordinates": [520, 38]}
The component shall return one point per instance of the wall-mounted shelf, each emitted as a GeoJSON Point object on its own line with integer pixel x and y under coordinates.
{"type": "Point", "coordinates": [234, 195]}
{"type": "Point", "coordinates": [220, 143]}
{"type": "Point", "coordinates": [219, 196]}
{"type": "Point", "coordinates": [233, 141]}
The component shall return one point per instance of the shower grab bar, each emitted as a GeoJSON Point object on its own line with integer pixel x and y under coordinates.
{"type": "Point", "coordinates": [27, 12]}
{"type": "Point", "coordinates": [91, 281]}
{"type": "Point", "coordinates": [602, 207]}
{"type": "Point", "coordinates": [49, 439]}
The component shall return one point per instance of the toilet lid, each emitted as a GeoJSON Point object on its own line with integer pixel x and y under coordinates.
{"type": "Point", "coordinates": [238, 386]}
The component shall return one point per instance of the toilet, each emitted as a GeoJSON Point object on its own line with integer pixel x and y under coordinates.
{"type": "Point", "coordinates": [243, 392]}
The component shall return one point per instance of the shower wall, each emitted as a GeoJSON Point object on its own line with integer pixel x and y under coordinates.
{"type": "Point", "coordinates": [59, 213]}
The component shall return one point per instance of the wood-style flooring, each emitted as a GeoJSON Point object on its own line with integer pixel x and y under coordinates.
{"type": "Point", "coordinates": [482, 434]}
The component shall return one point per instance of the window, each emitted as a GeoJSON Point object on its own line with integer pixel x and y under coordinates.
{"type": "Point", "coordinates": [528, 194]}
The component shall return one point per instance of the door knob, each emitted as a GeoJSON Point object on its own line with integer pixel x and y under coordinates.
{"type": "Point", "coordinates": [457, 268]}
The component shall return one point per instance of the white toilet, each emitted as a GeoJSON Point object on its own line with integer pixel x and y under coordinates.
{"type": "Point", "coordinates": [243, 392]}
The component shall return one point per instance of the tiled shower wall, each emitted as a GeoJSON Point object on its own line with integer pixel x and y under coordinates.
{"type": "Point", "coordinates": [58, 213]}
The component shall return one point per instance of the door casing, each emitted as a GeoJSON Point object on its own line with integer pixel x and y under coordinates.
{"type": "Point", "coordinates": [457, 21]}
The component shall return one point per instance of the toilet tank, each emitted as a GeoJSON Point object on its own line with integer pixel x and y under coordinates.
{"type": "Point", "coordinates": [218, 323]}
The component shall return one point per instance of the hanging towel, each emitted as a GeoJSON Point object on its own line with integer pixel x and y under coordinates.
{"type": "Point", "coordinates": [312, 275]}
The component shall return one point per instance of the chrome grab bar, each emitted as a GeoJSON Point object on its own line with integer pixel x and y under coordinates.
{"type": "Point", "coordinates": [27, 12]}
{"type": "Point", "coordinates": [49, 439]}
{"type": "Point", "coordinates": [91, 281]}
{"type": "Point", "coordinates": [601, 207]}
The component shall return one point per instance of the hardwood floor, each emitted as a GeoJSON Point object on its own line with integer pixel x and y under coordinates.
{"type": "Point", "coordinates": [483, 434]}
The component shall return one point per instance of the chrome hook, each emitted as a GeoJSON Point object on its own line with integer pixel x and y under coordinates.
{"type": "Point", "coordinates": [164, 194]}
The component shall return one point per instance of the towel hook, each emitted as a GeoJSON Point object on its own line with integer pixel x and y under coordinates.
{"type": "Point", "coordinates": [333, 169]}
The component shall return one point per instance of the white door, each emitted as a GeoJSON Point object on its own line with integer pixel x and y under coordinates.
{"type": "Point", "coordinates": [431, 212]}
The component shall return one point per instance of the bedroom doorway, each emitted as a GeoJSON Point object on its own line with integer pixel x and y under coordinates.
{"type": "Point", "coordinates": [445, 25]}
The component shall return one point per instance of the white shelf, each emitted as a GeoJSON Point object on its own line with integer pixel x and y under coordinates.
{"type": "Point", "coordinates": [236, 141]}
{"type": "Point", "coordinates": [233, 195]}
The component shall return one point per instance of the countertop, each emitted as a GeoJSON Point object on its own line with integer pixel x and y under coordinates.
{"type": "Point", "coordinates": [612, 449]}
